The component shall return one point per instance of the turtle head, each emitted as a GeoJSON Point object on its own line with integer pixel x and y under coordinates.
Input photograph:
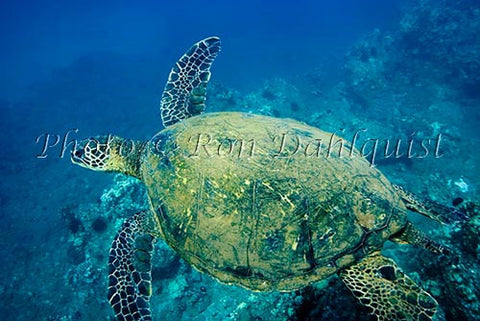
{"type": "Point", "coordinates": [108, 153]}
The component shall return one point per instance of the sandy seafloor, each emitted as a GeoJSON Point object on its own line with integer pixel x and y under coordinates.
{"type": "Point", "coordinates": [408, 71]}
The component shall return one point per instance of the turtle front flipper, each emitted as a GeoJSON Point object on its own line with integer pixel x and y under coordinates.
{"type": "Point", "coordinates": [379, 284]}
{"type": "Point", "coordinates": [429, 208]}
{"type": "Point", "coordinates": [185, 92]}
{"type": "Point", "coordinates": [129, 268]}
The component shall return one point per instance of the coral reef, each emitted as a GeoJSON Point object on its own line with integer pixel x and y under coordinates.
{"type": "Point", "coordinates": [444, 33]}
{"type": "Point", "coordinates": [453, 279]}
{"type": "Point", "coordinates": [432, 57]}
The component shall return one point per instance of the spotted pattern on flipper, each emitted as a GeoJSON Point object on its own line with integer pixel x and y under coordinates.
{"type": "Point", "coordinates": [185, 92]}
{"type": "Point", "coordinates": [129, 268]}
{"type": "Point", "coordinates": [379, 284]}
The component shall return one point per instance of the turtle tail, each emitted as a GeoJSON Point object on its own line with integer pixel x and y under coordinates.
{"type": "Point", "coordinates": [431, 209]}
{"type": "Point", "coordinates": [129, 268]}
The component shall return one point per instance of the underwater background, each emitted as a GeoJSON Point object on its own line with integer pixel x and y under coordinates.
{"type": "Point", "coordinates": [406, 71]}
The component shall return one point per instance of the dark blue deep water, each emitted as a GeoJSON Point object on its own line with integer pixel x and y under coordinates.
{"type": "Point", "coordinates": [408, 72]}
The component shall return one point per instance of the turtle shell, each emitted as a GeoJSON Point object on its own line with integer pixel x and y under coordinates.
{"type": "Point", "coordinates": [266, 203]}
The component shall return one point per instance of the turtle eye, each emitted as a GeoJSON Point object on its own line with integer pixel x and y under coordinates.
{"type": "Point", "coordinates": [79, 153]}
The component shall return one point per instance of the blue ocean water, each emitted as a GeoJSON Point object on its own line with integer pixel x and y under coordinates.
{"type": "Point", "coordinates": [405, 71]}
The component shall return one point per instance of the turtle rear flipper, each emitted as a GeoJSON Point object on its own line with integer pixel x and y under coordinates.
{"type": "Point", "coordinates": [411, 235]}
{"type": "Point", "coordinates": [129, 268]}
{"type": "Point", "coordinates": [429, 208]}
{"type": "Point", "coordinates": [379, 284]}
{"type": "Point", "coordinates": [185, 91]}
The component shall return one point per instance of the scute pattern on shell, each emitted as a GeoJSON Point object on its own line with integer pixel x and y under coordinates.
{"type": "Point", "coordinates": [254, 215]}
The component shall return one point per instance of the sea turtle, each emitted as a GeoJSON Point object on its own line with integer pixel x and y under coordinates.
{"type": "Point", "coordinates": [255, 201]}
